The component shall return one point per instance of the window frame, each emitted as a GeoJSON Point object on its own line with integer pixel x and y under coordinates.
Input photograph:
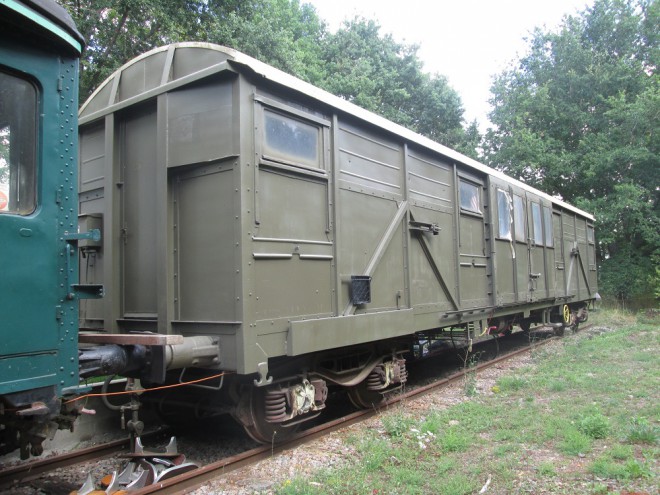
{"type": "Point", "coordinates": [548, 231]}
{"type": "Point", "coordinates": [508, 201]}
{"type": "Point", "coordinates": [265, 105]}
{"type": "Point", "coordinates": [519, 217]}
{"type": "Point", "coordinates": [468, 209]}
{"type": "Point", "coordinates": [30, 187]}
{"type": "Point", "coordinates": [537, 223]}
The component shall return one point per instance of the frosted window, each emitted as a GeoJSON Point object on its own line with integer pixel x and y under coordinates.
{"type": "Point", "coordinates": [547, 224]}
{"type": "Point", "coordinates": [519, 218]}
{"type": "Point", "coordinates": [470, 197]}
{"type": "Point", "coordinates": [291, 140]}
{"type": "Point", "coordinates": [537, 226]}
{"type": "Point", "coordinates": [504, 214]}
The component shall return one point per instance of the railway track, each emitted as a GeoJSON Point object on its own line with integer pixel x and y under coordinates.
{"type": "Point", "coordinates": [185, 482]}
{"type": "Point", "coordinates": [25, 472]}
{"type": "Point", "coordinates": [188, 481]}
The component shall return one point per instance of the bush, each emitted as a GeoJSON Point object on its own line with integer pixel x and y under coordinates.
{"type": "Point", "coordinates": [641, 431]}
{"type": "Point", "coordinates": [397, 424]}
{"type": "Point", "coordinates": [594, 426]}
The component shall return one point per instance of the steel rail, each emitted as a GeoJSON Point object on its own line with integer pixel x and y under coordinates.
{"type": "Point", "coordinates": [28, 471]}
{"type": "Point", "coordinates": [21, 473]}
{"type": "Point", "coordinates": [188, 481]}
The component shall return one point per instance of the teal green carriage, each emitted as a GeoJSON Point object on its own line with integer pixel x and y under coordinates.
{"type": "Point", "coordinates": [39, 52]}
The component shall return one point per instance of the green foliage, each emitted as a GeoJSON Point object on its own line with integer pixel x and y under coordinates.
{"type": "Point", "coordinates": [376, 453]}
{"type": "Point", "coordinates": [511, 383]}
{"type": "Point", "coordinates": [547, 468]}
{"type": "Point", "coordinates": [621, 452]}
{"type": "Point", "coordinates": [397, 424]}
{"type": "Point", "coordinates": [381, 75]}
{"type": "Point", "coordinates": [578, 117]}
{"type": "Point", "coordinates": [574, 442]}
{"type": "Point", "coordinates": [280, 32]}
{"type": "Point", "coordinates": [641, 430]}
{"type": "Point", "coordinates": [357, 62]}
{"type": "Point", "coordinates": [434, 423]}
{"type": "Point", "coordinates": [557, 385]}
{"type": "Point", "coordinates": [455, 440]}
{"type": "Point", "coordinates": [504, 436]}
{"type": "Point", "coordinates": [455, 485]}
{"type": "Point", "coordinates": [594, 425]}
{"type": "Point", "coordinates": [605, 467]}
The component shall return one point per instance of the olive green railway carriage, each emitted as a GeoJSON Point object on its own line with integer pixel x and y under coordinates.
{"type": "Point", "coordinates": [309, 237]}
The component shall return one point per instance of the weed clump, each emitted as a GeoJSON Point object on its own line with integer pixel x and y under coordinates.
{"type": "Point", "coordinates": [511, 383]}
{"type": "Point", "coordinates": [594, 426]}
{"type": "Point", "coordinates": [640, 430]}
{"type": "Point", "coordinates": [575, 443]}
{"type": "Point", "coordinates": [396, 425]}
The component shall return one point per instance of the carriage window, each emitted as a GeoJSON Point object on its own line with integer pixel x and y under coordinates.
{"type": "Point", "coordinates": [291, 140]}
{"type": "Point", "coordinates": [537, 226]}
{"type": "Point", "coordinates": [590, 234]}
{"type": "Point", "coordinates": [519, 217]}
{"type": "Point", "coordinates": [504, 208]}
{"type": "Point", "coordinates": [470, 199]}
{"type": "Point", "coordinates": [18, 109]}
{"type": "Point", "coordinates": [547, 224]}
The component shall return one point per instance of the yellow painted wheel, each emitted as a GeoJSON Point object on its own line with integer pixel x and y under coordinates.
{"type": "Point", "coordinates": [566, 314]}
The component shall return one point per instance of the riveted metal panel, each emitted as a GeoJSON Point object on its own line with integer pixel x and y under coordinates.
{"type": "Point", "coordinates": [328, 333]}
{"type": "Point", "coordinates": [430, 182]}
{"type": "Point", "coordinates": [139, 78]}
{"type": "Point", "coordinates": [193, 57]}
{"type": "Point", "coordinates": [370, 160]}
{"type": "Point", "coordinates": [363, 221]}
{"type": "Point", "coordinates": [203, 232]}
{"type": "Point", "coordinates": [39, 328]}
{"type": "Point", "coordinates": [138, 193]}
{"type": "Point", "coordinates": [201, 123]}
{"type": "Point", "coordinates": [92, 158]}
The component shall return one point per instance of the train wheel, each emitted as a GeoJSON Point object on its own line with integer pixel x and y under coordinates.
{"type": "Point", "coordinates": [567, 320]}
{"type": "Point", "coordinates": [255, 423]}
{"type": "Point", "coordinates": [362, 398]}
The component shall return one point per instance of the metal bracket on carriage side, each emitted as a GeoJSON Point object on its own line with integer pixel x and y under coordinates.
{"type": "Point", "coordinates": [262, 371]}
{"type": "Point", "coordinates": [82, 291]}
{"type": "Point", "coordinates": [433, 228]}
{"type": "Point", "coordinates": [92, 235]}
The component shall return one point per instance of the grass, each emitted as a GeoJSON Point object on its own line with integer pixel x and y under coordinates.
{"type": "Point", "coordinates": [583, 419]}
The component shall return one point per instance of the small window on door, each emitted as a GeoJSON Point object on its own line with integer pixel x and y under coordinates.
{"type": "Point", "coordinates": [537, 224]}
{"type": "Point", "coordinates": [519, 218]}
{"type": "Point", "coordinates": [504, 214]}
{"type": "Point", "coordinates": [547, 225]}
{"type": "Point", "coordinates": [470, 197]}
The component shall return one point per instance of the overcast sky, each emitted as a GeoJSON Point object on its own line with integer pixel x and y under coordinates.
{"type": "Point", "coordinates": [468, 41]}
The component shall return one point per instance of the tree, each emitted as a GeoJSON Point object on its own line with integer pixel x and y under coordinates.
{"type": "Point", "coordinates": [116, 31]}
{"type": "Point", "coordinates": [280, 32]}
{"type": "Point", "coordinates": [356, 63]}
{"type": "Point", "coordinates": [381, 75]}
{"type": "Point", "coordinates": [578, 117]}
